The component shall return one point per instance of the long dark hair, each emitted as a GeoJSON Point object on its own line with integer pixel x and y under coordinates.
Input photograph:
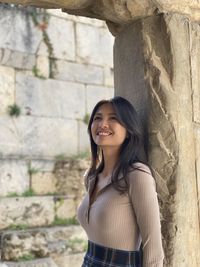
{"type": "Point", "coordinates": [132, 149]}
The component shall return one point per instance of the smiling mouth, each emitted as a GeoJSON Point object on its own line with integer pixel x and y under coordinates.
{"type": "Point", "coordinates": [104, 133]}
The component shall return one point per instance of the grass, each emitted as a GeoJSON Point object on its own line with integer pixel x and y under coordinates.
{"type": "Point", "coordinates": [63, 157]}
{"type": "Point", "coordinates": [28, 193]}
{"type": "Point", "coordinates": [82, 155]}
{"type": "Point", "coordinates": [65, 222]}
{"type": "Point", "coordinates": [60, 157]}
{"type": "Point", "coordinates": [26, 257]}
{"type": "Point", "coordinates": [13, 194]}
{"type": "Point", "coordinates": [18, 226]}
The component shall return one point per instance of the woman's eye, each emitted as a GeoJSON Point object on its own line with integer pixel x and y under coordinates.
{"type": "Point", "coordinates": [113, 118]}
{"type": "Point", "coordinates": [97, 118]}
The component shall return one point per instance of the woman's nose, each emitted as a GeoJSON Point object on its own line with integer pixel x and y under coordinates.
{"type": "Point", "coordinates": [104, 123]}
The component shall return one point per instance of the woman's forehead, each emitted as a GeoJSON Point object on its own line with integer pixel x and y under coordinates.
{"type": "Point", "coordinates": [106, 108]}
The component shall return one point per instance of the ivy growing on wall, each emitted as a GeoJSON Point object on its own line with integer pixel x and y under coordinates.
{"type": "Point", "coordinates": [40, 18]}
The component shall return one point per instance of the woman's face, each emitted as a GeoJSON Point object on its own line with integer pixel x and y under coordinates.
{"type": "Point", "coordinates": [106, 129]}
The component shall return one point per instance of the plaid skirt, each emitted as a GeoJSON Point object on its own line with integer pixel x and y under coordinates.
{"type": "Point", "coordinates": [99, 256]}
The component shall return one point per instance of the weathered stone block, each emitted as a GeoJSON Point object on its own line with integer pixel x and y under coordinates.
{"type": "Point", "coordinates": [195, 70]}
{"type": "Point", "coordinates": [16, 245]}
{"type": "Point", "coordinates": [43, 49]}
{"type": "Point", "coordinates": [14, 177]}
{"type": "Point", "coordinates": [43, 183]}
{"type": "Point", "coordinates": [108, 77]}
{"type": "Point", "coordinates": [96, 93]}
{"type": "Point", "coordinates": [94, 47]}
{"type": "Point", "coordinates": [43, 165]}
{"type": "Point", "coordinates": [65, 233]}
{"type": "Point", "coordinates": [7, 88]}
{"type": "Point", "coordinates": [65, 207]}
{"type": "Point", "coordinates": [62, 39]}
{"type": "Point", "coordinates": [27, 211]}
{"type": "Point", "coordinates": [60, 14]}
{"type": "Point", "coordinates": [42, 242]}
{"type": "Point", "coordinates": [16, 59]}
{"type": "Point", "coordinates": [27, 135]}
{"type": "Point", "coordinates": [46, 262]}
{"type": "Point", "coordinates": [34, 95]}
{"type": "Point", "coordinates": [69, 176]}
{"type": "Point", "coordinates": [69, 260]}
{"type": "Point", "coordinates": [82, 73]}
{"type": "Point", "coordinates": [83, 137]}
{"type": "Point", "coordinates": [18, 31]}
{"type": "Point", "coordinates": [42, 66]}
{"type": "Point", "coordinates": [197, 151]}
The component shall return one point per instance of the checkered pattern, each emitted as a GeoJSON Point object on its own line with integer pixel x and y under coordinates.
{"type": "Point", "coordinates": [99, 256]}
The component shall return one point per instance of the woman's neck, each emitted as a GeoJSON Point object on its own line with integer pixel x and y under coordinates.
{"type": "Point", "coordinates": [110, 160]}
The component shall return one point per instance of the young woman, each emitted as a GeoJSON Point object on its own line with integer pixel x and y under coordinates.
{"type": "Point", "coordinates": [120, 210]}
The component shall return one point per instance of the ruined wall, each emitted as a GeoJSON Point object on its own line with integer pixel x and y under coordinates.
{"type": "Point", "coordinates": [54, 67]}
{"type": "Point", "coordinates": [45, 55]}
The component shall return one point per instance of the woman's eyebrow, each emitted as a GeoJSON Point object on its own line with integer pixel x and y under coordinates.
{"type": "Point", "coordinates": [99, 113]}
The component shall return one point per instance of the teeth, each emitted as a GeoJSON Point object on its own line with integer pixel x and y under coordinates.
{"type": "Point", "coordinates": [104, 133]}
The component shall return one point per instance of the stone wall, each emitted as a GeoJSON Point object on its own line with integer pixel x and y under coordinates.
{"type": "Point", "coordinates": [54, 67]}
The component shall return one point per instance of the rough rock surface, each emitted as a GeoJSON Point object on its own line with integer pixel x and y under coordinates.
{"type": "Point", "coordinates": [31, 211]}
{"type": "Point", "coordinates": [43, 242]}
{"type": "Point", "coordinates": [157, 77]}
{"type": "Point", "coordinates": [46, 262]}
{"type": "Point", "coordinates": [121, 11]}
{"type": "Point", "coordinates": [69, 177]}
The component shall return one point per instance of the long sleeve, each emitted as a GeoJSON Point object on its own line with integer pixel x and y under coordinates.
{"type": "Point", "coordinates": [145, 204]}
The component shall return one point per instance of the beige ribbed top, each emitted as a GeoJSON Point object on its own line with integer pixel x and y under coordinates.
{"type": "Point", "coordinates": [123, 221]}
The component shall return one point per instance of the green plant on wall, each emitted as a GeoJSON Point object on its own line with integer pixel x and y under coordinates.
{"type": "Point", "coordinates": [66, 222]}
{"type": "Point", "coordinates": [31, 170]}
{"type": "Point", "coordinates": [81, 155]}
{"type": "Point", "coordinates": [27, 257]}
{"type": "Point", "coordinates": [13, 194]}
{"type": "Point", "coordinates": [61, 157]}
{"type": "Point", "coordinates": [28, 193]}
{"type": "Point", "coordinates": [19, 226]}
{"type": "Point", "coordinates": [14, 110]}
{"type": "Point", "coordinates": [41, 21]}
{"type": "Point", "coordinates": [37, 73]}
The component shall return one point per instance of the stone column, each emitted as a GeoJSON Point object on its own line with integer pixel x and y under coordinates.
{"type": "Point", "coordinates": [156, 66]}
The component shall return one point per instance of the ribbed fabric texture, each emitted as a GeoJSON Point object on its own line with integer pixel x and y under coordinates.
{"type": "Point", "coordinates": [122, 221]}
